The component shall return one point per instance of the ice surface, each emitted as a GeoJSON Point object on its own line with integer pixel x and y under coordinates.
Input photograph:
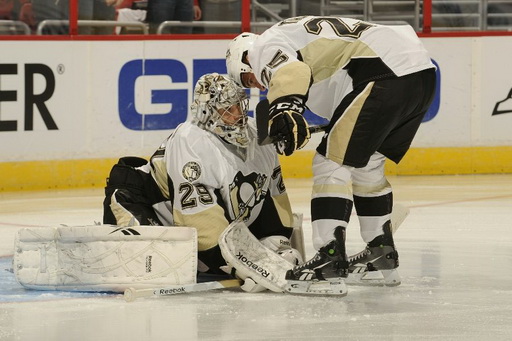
{"type": "Point", "coordinates": [455, 259]}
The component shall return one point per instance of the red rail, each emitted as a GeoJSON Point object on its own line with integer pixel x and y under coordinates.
{"type": "Point", "coordinates": [245, 27]}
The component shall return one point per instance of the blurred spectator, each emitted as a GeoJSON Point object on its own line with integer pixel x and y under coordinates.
{"type": "Point", "coordinates": [95, 10]}
{"type": "Point", "coordinates": [127, 11]}
{"type": "Point", "coordinates": [500, 15]}
{"type": "Point", "coordinates": [172, 10]}
{"type": "Point", "coordinates": [448, 15]}
{"type": "Point", "coordinates": [199, 5]}
{"type": "Point", "coordinates": [221, 10]}
{"type": "Point", "coordinates": [6, 9]}
{"type": "Point", "coordinates": [50, 10]}
{"type": "Point", "coordinates": [198, 12]}
{"type": "Point", "coordinates": [136, 11]}
{"type": "Point", "coordinates": [87, 10]}
{"type": "Point", "coordinates": [125, 3]}
{"type": "Point", "coordinates": [26, 15]}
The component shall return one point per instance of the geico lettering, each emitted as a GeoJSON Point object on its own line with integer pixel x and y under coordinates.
{"type": "Point", "coordinates": [168, 102]}
{"type": "Point", "coordinates": [172, 291]}
{"type": "Point", "coordinates": [165, 106]}
{"type": "Point", "coordinates": [252, 265]}
{"type": "Point", "coordinates": [32, 99]}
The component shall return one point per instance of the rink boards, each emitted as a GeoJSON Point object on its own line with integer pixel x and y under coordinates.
{"type": "Point", "coordinates": [65, 121]}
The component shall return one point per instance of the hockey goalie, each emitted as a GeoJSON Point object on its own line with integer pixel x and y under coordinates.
{"type": "Point", "coordinates": [207, 174]}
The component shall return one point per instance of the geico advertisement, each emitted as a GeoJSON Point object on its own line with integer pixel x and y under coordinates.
{"type": "Point", "coordinates": [106, 99]}
{"type": "Point", "coordinates": [476, 93]}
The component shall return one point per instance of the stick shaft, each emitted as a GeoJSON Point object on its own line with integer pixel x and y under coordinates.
{"type": "Point", "coordinates": [312, 130]}
{"type": "Point", "coordinates": [317, 129]}
{"type": "Point", "coordinates": [400, 212]}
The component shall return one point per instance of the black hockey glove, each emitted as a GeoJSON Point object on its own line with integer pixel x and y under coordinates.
{"type": "Point", "coordinates": [287, 125]}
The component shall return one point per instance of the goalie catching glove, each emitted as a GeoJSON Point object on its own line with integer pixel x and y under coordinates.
{"type": "Point", "coordinates": [278, 244]}
{"type": "Point", "coordinates": [288, 125]}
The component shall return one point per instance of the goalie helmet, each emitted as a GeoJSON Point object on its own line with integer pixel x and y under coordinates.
{"type": "Point", "coordinates": [220, 106]}
{"type": "Point", "coordinates": [236, 53]}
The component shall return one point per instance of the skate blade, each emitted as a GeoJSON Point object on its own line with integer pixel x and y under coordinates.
{"type": "Point", "coordinates": [333, 287]}
{"type": "Point", "coordinates": [389, 278]}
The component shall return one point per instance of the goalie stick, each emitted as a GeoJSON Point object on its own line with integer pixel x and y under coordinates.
{"type": "Point", "coordinates": [262, 109]}
{"type": "Point", "coordinates": [132, 294]}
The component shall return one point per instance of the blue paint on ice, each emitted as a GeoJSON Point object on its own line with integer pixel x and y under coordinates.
{"type": "Point", "coordinates": [12, 291]}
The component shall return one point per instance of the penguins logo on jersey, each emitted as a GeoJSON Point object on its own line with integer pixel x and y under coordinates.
{"type": "Point", "coordinates": [246, 191]}
{"type": "Point", "coordinates": [191, 171]}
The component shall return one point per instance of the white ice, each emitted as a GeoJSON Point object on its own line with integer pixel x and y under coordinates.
{"type": "Point", "coordinates": [455, 261]}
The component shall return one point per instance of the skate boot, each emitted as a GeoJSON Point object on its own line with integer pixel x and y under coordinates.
{"type": "Point", "coordinates": [323, 274]}
{"type": "Point", "coordinates": [377, 263]}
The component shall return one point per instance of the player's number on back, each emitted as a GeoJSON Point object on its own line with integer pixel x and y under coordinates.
{"type": "Point", "coordinates": [277, 175]}
{"type": "Point", "coordinates": [341, 28]}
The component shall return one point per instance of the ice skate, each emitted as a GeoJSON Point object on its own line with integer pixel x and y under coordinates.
{"type": "Point", "coordinates": [324, 274]}
{"type": "Point", "coordinates": [377, 263]}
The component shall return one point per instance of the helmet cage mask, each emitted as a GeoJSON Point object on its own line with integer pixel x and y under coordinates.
{"type": "Point", "coordinates": [216, 100]}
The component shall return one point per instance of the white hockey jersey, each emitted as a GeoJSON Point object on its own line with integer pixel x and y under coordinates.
{"type": "Point", "coordinates": [210, 183]}
{"type": "Point", "coordinates": [336, 54]}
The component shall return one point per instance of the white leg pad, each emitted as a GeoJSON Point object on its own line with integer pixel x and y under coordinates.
{"type": "Point", "coordinates": [105, 257]}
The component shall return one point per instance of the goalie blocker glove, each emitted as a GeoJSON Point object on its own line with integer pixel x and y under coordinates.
{"type": "Point", "coordinates": [288, 125]}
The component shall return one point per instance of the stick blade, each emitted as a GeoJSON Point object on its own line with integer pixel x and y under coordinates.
{"type": "Point", "coordinates": [331, 287]}
{"type": "Point", "coordinates": [130, 294]}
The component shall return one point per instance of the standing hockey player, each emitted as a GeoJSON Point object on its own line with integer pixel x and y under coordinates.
{"type": "Point", "coordinates": [207, 173]}
{"type": "Point", "coordinates": [374, 83]}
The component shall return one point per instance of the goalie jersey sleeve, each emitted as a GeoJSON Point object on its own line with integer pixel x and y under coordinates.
{"type": "Point", "coordinates": [211, 183]}
{"type": "Point", "coordinates": [323, 58]}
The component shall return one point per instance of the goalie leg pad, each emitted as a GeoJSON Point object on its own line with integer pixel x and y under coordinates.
{"type": "Point", "coordinates": [105, 257]}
